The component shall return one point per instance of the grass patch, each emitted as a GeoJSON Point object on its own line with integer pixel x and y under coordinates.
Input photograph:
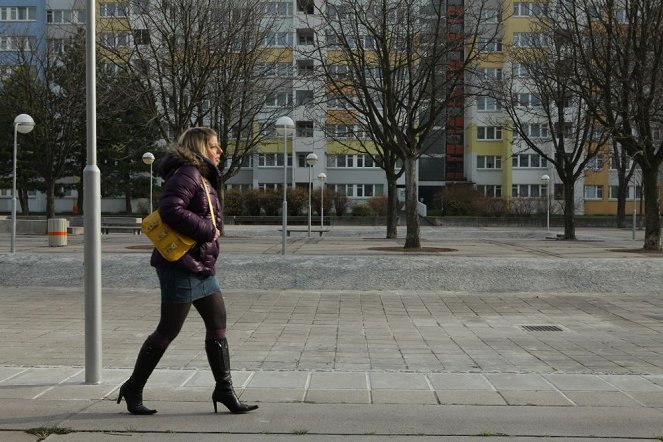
{"type": "Point", "coordinates": [43, 432]}
{"type": "Point", "coordinates": [300, 431]}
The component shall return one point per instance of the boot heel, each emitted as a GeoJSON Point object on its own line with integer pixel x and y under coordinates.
{"type": "Point", "coordinates": [214, 402]}
{"type": "Point", "coordinates": [119, 398]}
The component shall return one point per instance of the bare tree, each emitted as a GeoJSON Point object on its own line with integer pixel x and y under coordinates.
{"type": "Point", "coordinates": [544, 109]}
{"type": "Point", "coordinates": [46, 83]}
{"type": "Point", "coordinates": [200, 62]}
{"type": "Point", "coordinates": [398, 66]}
{"type": "Point", "coordinates": [619, 46]}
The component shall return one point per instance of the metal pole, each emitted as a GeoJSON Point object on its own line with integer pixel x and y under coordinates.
{"type": "Point", "coordinates": [309, 200]}
{"type": "Point", "coordinates": [285, 190]}
{"type": "Point", "coordinates": [151, 179]}
{"type": "Point", "coordinates": [92, 218]}
{"type": "Point", "coordinates": [13, 240]}
{"type": "Point", "coordinates": [548, 206]}
{"type": "Point", "coordinates": [322, 204]}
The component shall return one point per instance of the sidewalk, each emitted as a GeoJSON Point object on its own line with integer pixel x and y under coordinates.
{"type": "Point", "coordinates": [330, 365]}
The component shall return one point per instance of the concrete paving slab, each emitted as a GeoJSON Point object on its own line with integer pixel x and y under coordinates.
{"type": "Point", "coordinates": [578, 382]}
{"type": "Point", "coordinates": [632, 383]}
{"type": "Point", "coordinates": [393, 396]}
{"type": "Point", "coordinates": [459, 381]}
{"type": "Point", "coordinates": [470, 397]}
{"type": "Point", "coordinates": [346, 419]}
{"type": "Point", "coordinates": [28, 413]}
{"type": "Point", "coordinates": [545, 398]}
{"type": "Point", "coordinates": [339, 380]}
{"type": "Point", "coordinates": [398, 381]}
{"type": "Point", "coordinates": [17, 436]}
{"type": "Point", "coordinates": [511, 381]}
{"type": "Point", "coordinates": [602, 399]}
{"type": "Point", "coordinates": [187, 437]}
{"type": "Point", "coordinates": [338, 396]}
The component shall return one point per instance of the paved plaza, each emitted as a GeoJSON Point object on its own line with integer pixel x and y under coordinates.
{"type": "Point", "coordinates": [471, 344]}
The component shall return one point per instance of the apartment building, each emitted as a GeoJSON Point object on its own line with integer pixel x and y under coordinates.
{"type": "Point", "coordinates": [475, 147]}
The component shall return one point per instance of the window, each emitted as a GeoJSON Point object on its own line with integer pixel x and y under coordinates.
{"type": "Point", "coordinates": [142, 36]}
{"type": "Point", "coordinates": [657, 134]}
{"type": "Point", "coordinates": [272, 160]}
{"type": "Point", "coordinates": [490, 16]}
{"type": "Point", "coordinates": [278, 99]}
{"type": "Point", "coordinates": [269, 186]}
{"type": "Point", "coordinates": [360, 190]}
{"type": "Point", "coordinates": [16, 43]}
{"type": "Point", "coordinates": [519, 70]}
{"type": "Point", "coordinates": [528, 160]}
{"type": "Point", "coordinates": [305, 67]}
{"type": "Point", "coordinates": [306, 6]}
{"type": "Point", "coordinates": [340, 131]}
{"type": "Point", "coordinates": [593, 192]}
{"type": "Point", "coordinates": [113, 10]}
{"type": "Point", "coordinates": [490, 74]}
{"type": "Point", "coordinates": [532, 130]}
{"type": "Point", "coordinates": [350, 161]}
{"type": "Point", "coordinates": [490, 190]}
{"type": "Point", "coordinates": [490, 45]}
{"type": "Point", "coordinates": [489, 162]}
{"type": "Point", "coordinates": [522, 9]}
{"type": "Point", "coordinates": [304, 129]}
{"type": "Point", "coordinates": [528, 40]}
{"type": "Point", "coordinates": [528, 190]}
{"type": "Point", "coordinates": [279, 70]}
{"type": "Point", "coordinates": [283, 9]}
{"type": "Point", "coordinates": [115, 40]}
{"type": "Point", "coordinates": [303, 98]}
{"type": "Point", "coordinates": [614, 192]}
{"type": "Point", "coordinates": [488, 104]}
{"type": "Point", "coordinates": [527, 100]}
{"type": "Point", "coordinates": [18, 13]}
{"type": "Point", "coordinates": [278, 39]}
{"type": "Point", "coordinates": [564, 130]}
{"type": "Point", "coordinates": [489, 133]}
{"type": "Point", "coordinates": [595, 163]}
{"type": "Point", "coordinates": [339, 71]}
{"type": "Point", "coordinates": [305, 37]}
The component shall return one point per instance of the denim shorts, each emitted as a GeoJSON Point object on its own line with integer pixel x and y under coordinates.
{"type": "Point", "coordinates": [183, 287]}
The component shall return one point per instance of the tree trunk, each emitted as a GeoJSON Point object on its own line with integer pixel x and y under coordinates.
{"type": "Point", "coordinates": [79, 197]}
{"type": "Point", "coordinates": [23, 200]}
{"type": "Point", "coordinates": [622, 193]}
{"type": "Point", "coordinates": [652, 212]}
{"type": "Point", "coordinates": [392, 208]}
{"type": "Point", "coordinates": [569, 211]}
{"type": "Point", "coordinates": [50, 199]}
{"type": "Point", "coordinates": [127, 202]}
{"type": "Point", "coordinates": [412, 240]}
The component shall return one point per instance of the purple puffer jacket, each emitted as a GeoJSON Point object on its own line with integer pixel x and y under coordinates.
{"type": "Point", "coordinates": [183, 206]}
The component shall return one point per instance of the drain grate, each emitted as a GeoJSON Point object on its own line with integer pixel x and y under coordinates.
{"type": "Point", "coordinates": [542, 328]}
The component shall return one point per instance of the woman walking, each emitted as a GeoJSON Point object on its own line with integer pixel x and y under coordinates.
{"type": "Point", "coordinates": [186, 204]}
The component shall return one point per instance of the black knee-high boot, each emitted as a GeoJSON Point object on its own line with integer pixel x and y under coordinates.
{"type": "Point", "coordinates": [132, 389]}
{"type": "Point", "coordinates": [219, 362]}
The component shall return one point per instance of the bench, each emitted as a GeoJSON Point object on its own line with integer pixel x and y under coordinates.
{"type": "Point", "coordinates": [120, 224]}
{"type": "Point", "coordinates": [319, 230]}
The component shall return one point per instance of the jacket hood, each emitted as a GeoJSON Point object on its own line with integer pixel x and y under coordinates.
{"type": "Point", "coordinates": [177, 158]}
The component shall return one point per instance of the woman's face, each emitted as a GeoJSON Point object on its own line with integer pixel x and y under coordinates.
{"type": "Point", "coordinates": [214, 151]}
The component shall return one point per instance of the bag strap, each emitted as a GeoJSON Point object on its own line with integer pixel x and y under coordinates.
{"type": "Point", "coordinates": [209, 201]}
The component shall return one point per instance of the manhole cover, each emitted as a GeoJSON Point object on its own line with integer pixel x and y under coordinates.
{"type": "Point", "coordinates": [542, 328]}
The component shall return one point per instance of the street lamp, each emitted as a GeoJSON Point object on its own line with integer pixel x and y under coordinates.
{"type": "Point", "coordinates": [285, 126]}
{"type": "Point", "coordinates": [148, 158]}
{"type": "Point", "coordinates": [24, 124]}
{"type": "Point", "coordinates": [311, 160]}
{"type": "Point", "coordinates": [546, 178]}
{"type": "Point", "coordinates": [322, 177]}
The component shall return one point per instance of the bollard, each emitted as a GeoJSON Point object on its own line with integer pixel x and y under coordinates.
{"type": "Point", "coordinates": [57, 232]}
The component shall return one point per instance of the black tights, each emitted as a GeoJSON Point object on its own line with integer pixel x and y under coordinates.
{"type": "Point", "coordinates": [211, 308]}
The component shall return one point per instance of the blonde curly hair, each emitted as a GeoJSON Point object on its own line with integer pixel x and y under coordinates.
{"type": "Point", "coordinates": [192, 145]}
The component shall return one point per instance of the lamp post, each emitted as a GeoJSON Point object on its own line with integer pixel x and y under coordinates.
{"type": "Point", "coordinates": [24, 124]}
{"type": "Point", "coordinates": [148, 158]}
{"type": "Point", "coordinates": [285, 126]}
{"type": "Point", "coordinates": [322, 177]}
{"type": "Point", "coordinates": [311, 160]}
{"type": "Point", "coordinates": [546, 178]}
